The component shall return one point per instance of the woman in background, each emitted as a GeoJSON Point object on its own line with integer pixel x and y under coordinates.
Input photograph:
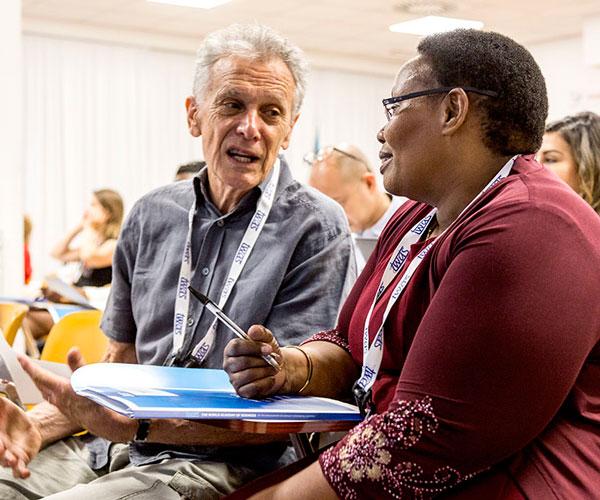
{"type": "Point", "coordinates": [27, 227]}
{"type": "Point", "coordinates": [571, 148]}
{"type": "Point", "coordinates": [97, 234]}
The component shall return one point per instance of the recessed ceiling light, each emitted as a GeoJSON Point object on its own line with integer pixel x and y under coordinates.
{"type": "Point", "coordinates": [198, 4]}
{"type": "Point", "coordinates": [424, 7]}
{"type": "Point", "coordinates": [433, 24]}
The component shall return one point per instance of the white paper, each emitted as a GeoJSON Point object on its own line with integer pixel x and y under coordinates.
{"type": "Point", "coordinates": [67, 291]}
{"type": "Point", "coordinates": [97, 296]}
{"type": "Point", "coordinates": [28, 392]}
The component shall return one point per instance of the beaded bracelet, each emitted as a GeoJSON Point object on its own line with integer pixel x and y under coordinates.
{"type": "Point", "coordinates": [309, 366]}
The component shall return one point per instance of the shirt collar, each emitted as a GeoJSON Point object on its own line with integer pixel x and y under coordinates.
{"type": "Point", "coordinates": [201, 190]}
{"type": "Point", "coordinates": [375, 230]}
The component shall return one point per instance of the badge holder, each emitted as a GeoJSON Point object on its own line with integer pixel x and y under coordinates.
{"type": "Point", "coordinates": [363, 400]}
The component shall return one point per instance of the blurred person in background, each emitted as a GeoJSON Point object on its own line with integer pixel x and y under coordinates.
{"type": "Point", "coordinates": [571, 149]}
{"type": "Point", "coordinates": [91, 244]}
{"type": "Point", "coordinates": [27, 226]}
{"type": "Point", "coordinates": [189, 170]}
{"type": "Point", "coordinates": [343, 173]}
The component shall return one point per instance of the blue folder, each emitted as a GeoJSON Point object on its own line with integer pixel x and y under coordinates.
{"type": "Point", "coordinates": [142, 391]}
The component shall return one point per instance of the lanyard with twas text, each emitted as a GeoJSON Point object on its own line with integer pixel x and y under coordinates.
{"type": "Point", "coordinates": [182, 299]}
{"type": "Point", "coordinates": [373, 353]}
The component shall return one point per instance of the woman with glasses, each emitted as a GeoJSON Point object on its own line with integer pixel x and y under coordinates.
{"type": "Point", "coordinates": [471, 340]}
{"type": "Point", "coordinates": [571, 148]}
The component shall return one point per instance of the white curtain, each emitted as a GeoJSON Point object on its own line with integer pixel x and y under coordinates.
{"type": "Point", "coordinates": [100, 115]}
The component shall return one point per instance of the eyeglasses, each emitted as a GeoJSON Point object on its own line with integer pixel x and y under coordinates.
{"type": "Point", "coordinates": [311, 158]}
{"type": "Point", "coordinates": [391, 103]}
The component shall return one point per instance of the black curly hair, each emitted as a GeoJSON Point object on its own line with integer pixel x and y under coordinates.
{"type": "Point", "coordinates": [514, 121]}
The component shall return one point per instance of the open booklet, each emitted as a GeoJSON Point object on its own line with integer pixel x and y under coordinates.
{"type": "Point", "coordinates": [69, 292]}
{"type": "Point", "coordinates": [141, 391]}
{"type": "Point", "coordinates": [94, 298]}
{"type": "Point", "coordinates": [10, 369]}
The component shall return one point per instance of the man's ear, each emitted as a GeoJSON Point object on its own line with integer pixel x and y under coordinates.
{"type": "Point", "coordinates": [192, 116]}
{"type": "Point", "coordinates": [369, 179]}
{"type": "Point", "coordinates": [286, 140]}
{"type": "Point", "coordinates": [455, 111]}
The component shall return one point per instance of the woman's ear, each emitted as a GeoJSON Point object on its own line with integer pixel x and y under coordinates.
{"type": "Point", "coordinates": [456, 109]}
{"type": "Point", "coordinates": [192, 117]}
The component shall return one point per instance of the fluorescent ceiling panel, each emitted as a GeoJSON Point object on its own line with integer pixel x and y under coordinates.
{"type": "Point", "coordinates": [198, 4]}
{"type": "Point", "coordinates": [433, 24]}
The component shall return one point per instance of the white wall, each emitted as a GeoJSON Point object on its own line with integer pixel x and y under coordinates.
{"type": "Point", "coordinates": [572, 84]}
{"type": "Point", "coordinates": [99, 115]}
{"type": "Point", "coordinates": [339, 107]}
{"type": "Point", "coordinates": [11, 171]}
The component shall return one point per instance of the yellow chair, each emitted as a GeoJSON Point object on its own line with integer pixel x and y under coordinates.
{"type": "Point", "coordinates": [11, 317]}
{"type": "Point", "coordinates": [79, 329]}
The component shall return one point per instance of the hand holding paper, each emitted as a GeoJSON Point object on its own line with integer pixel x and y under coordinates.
{"type": "Point", "coordinates": [54, 388]}
{"type": "Point", "coordinates": [57, 390]}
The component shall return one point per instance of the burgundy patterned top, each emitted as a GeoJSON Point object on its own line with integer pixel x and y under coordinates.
{"type": "Point", "coordinates": [490, 380]}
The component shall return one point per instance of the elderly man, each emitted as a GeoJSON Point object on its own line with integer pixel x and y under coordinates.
{"type": "Point", "coordinates": [343, 173]}
{"type": "Point", "coordinates": [243, 232]}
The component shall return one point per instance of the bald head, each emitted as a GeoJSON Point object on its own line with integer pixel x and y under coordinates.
{"type": "Point", "coordinates": [344, 161]}
{"type": "Point", "coordinates": [343, 173]}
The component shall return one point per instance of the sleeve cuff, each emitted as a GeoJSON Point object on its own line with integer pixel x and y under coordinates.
{"type": "Point", "coordinates": [332, 336]}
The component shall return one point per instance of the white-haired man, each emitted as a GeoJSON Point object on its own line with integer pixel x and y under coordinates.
{"type": "Point", "coordinates": [243, 232]}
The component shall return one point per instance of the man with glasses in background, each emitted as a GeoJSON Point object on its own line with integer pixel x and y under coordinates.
{"type": "Point", "coordinates": [343, 173]}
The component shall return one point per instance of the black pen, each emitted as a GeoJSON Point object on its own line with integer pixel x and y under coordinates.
{"type": "Point", "coordinates": [214, 308]}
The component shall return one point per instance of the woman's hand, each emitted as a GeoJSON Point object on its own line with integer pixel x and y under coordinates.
{"type": "Point", "coordinates": [20, 439]}
{"type": "Point", "coordinates": [249, 373]}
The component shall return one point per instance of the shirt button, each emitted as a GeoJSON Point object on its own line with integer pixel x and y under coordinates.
{"type": "Point", "coordinates": [205, 271]}
{"type": "Point", "coordinates": [190, 321]}
{"type": "Point", "coordinates": [220, 223]}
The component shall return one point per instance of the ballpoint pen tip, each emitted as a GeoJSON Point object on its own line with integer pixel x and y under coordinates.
{"type": "Point", "coordinates": [200, 296]}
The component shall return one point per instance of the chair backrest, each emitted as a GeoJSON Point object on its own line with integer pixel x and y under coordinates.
{"type": "Point", "coordinates": [11, 317]}
{"type": "Point", "coordinates": [79, 329]}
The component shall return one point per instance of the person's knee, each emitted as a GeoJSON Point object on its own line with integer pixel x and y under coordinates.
{"type": "Point", "coordinates": [10, 490]}
{"type": "Point", "coordinates": [37, 323]}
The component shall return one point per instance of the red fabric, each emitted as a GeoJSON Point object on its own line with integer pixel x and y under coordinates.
{"type": "Point", "coordinates": [27, 260]}
{"type": "Point", "coordinates": [492, 355]}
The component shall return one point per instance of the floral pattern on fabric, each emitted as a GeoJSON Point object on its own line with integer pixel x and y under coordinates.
{"type": "Point", "coordinates": [363, 464]}
{"type": "Point", "coordinates": [332, 336]}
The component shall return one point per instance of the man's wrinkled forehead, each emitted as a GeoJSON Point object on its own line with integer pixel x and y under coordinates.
{"type": "Point", "coordinates": [236, 77]}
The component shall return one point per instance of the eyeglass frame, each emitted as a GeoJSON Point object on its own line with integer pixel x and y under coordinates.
{"type": "Point", "coordinates": [390, 101]}
{"type": "Point", "coordinates": [311, 158]}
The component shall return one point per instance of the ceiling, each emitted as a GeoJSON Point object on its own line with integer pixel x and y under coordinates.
{"type": "Point", "coordinates": [342, 34]}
